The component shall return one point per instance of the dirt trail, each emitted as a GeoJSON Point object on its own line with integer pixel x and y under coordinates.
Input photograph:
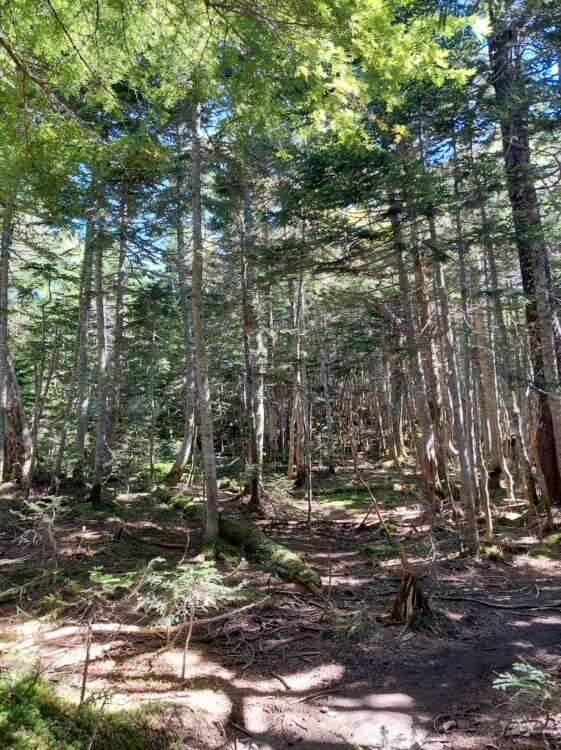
{"type": "Point", "coordinates": [295, 674]}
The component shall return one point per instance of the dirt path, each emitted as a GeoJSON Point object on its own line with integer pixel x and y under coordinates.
{"type": "Point", "coordinates": [293, 673]}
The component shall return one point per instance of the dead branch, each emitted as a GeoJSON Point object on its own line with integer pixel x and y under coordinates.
{"type": "Point", "coordinates": [110, 628]}
{"type": "Point", "coordinates": [496, 605]}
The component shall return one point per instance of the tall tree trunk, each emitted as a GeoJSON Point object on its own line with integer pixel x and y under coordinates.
{"type": "Point", "coordinates": [489, 394]}
{"type": "Point", "coordinates": [203, 386]}
{"type": "Point", "coordinates": [305, 477]}
{"type": "Point", "coordinates": [41, 379]}
{"type": "Point", "coordinates": [427, 458]}
{"type": "Point", "coordinates": [253, 352]}
{"type": "Point", "coordinates": [18, 435]}
{"type": "Point", "coordinates": [79, 358]}
{"type": "Point", "coordinates": [272, 389]}
{"type": "Point", "coordinates": [184, 452]}
{"type": "Point", "coordinates": [466, 467]}
{"type": "Point", "coordinates": [426, 342]}
{"type": "Point", "coordinates": [118, 336]}
{"type": "Point", "coordinates": [101, 337]}
{"type": "Point", "coordinates": [330, 454]}
{"type": "Point", "coordinates": [507, 79]}
{"type": "Point", "coordinates": [83, 400]}
{"type": "Point", "coordinates": [5, 249]}
{"type": "Point", "coordinates": [152, 402]}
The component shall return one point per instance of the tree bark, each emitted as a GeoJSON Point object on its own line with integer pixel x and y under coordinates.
{"type": "Point", "coordinates": [203, 386]}
{"type": "Point", "coordinates": [184, 452]}
{"type": "Point", "coordinates": [253, 352]}
{"type": "Point", "coordinates": [507, 79]}
{"type": "Point", "coordinates": [428, 457]}
{"type": "Point", "coordinates": [466, 467]}
{"type": "Point", "coordinates": [83, 400]}
{"type": "Point", "coordinates": [118, 335]}
{"type": "Point", "coordinates": [18, 435]}
{"type": "Point", "coordinates": [330, 454]}
{"type": "Point", "coordinates": [101, 337]}
{"type": "Point", "coordinates": [5, 249]}
{"type": "Point", "coordinates": [79, 359]}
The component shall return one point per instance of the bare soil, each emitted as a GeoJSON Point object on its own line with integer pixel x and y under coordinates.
{"type": "Point", "coordinates": [295, 671]}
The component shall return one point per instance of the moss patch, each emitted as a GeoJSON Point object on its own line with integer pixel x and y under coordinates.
{"type": "Point", "coordinates": [541, 553]}
{"type": "Point", "coordinates": [34, 717]}
{"type": "Point", "coordinates": [245, 536]}
{"type": "Point", "coordinates": [381, 550]}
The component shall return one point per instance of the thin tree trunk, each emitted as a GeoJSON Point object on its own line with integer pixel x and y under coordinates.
{"type": "Point", "coordinates": [152, 401]}
{"type": "Point", "coordinates": [18, 435]}
{"type": "Point", "coordinates": [253, 352]}
{"type": "Point", "coordinates": [306, 480]}
{"type": "Point", "coordinates": [40, 397]}
{"type": "Point", "coordinates": [330, 455]}
{"type": "Point", "coordinates": [118, 337]}
{"type": "Point", "coordinates": [427, 458]}
{"type": "Point", "coordinates": [5, 249]}
{"type": "Point", "coordinates": [83, 401]}
{"type": "Point", "coordinates": [466, 468]}
{"type": "Point", "coordinates": [182, 457]}
{"type": "Point", "coordinates": [101, 337]}
{"type": "Point", "coordinates": [203, 386]}
{"type": "Point", "coordinates": [78, 366]}
{"type": "Point", "coordinates": [272, 389]}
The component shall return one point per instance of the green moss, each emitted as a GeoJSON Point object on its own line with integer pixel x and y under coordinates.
{"type": "Point", "coordinates": [541, 553]}
{"type": "Point", "coordinates": [493, 552]}
{"type": "Point", "coordinates": [34, 717]}
{"type": "Point", "coordinates": [509, 519]}
{"type": "Point", "coordinates": [381, 550]}
{"type": "Point", "coordinates": [553, 538]}
{"type": "Point", "coordinates": [246, 537]}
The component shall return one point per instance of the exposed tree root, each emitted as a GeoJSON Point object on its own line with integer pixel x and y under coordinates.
{"type": "Point", "coordinates": [110, 628]}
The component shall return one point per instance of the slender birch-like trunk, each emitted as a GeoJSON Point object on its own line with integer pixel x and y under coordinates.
{"type": "Point", "coordinates": [330, 455]}
{"type": "Point", "coordinates": [466, 468]}
{"type": "Point", "coordinates": [203, 385]}
{"type": "Point", "coordinates": [18, 441]}
{"type": "Point", "coordinates": [427, 457]}
{"type": "Point", "coordinates": [118, 336]}
{"type": "Point", "coordinates": [102, 384]}
{"type": "Point", "coordinates": [253, 352]}
{"type": "Point", "coordinates": [152, 402]}
{"type": "Point", "coordinates": [183, 454]}
{"type": "Point", "coordinates": [272, 389]}
{"type": "Point", "coordinates": [5, 250]}
{"type": "Point", "coordinates": [78, 366]}
{"type": "Point", "coordinates": [83, 399]}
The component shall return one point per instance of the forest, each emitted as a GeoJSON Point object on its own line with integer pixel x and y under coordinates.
{"type": "Point", "coordinates": [280, 374]}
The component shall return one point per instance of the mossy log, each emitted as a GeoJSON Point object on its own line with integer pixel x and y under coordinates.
{"type": "Point", "coordinates": [247, 537]}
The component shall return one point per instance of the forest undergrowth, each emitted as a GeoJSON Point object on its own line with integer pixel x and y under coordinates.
{"type": "Point", "coordinates": [117, 631]}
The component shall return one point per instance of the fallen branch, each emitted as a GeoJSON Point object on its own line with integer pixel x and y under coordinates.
{"type": "Point", "coordinates": [496, 605]}
{"type": "Point", "coordinates": [319, 695]}
{"type": "Point", "coordinates": [110, 628]}
{"type": "Point", "coordinates": [281, 679]}
{"type": "Point", "coordinates": [148, 540]}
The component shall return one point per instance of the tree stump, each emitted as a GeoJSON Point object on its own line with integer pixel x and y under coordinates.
{"type": "Point", "coordinates": [410, 600]}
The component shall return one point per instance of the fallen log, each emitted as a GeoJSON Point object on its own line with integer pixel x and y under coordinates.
{"type": "Point", "coordinates": [497, 605]}
{"type": "Point", "coordinates": [111, 628]}
{"type": "Point", "coordinates": [247, 537]}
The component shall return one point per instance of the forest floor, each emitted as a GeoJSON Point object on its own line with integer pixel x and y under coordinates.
{"type": "Point", "coordinates": [294, 671]}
